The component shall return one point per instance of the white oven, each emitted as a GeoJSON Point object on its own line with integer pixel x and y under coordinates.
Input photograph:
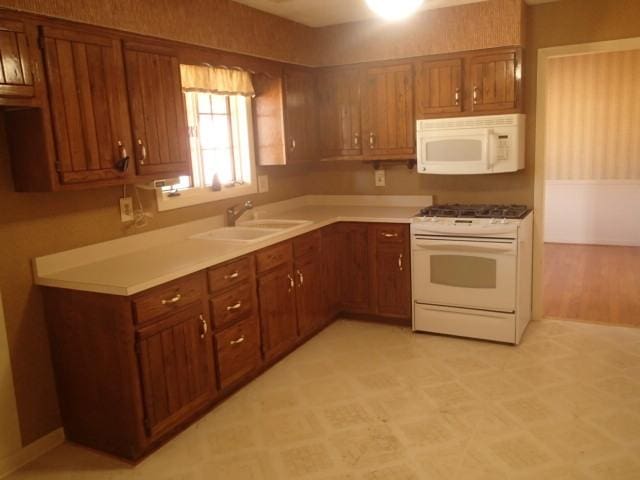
{"type": "Point", "coordinates": [471, 145]}
{"type": "Point", "coordinates": [471, 277]}
{"type": "Point", "coordinates": [467, 272]}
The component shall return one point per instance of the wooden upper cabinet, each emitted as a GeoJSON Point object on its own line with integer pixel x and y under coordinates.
{"type": "Point", "coordinates": [388, 121]}
{"type": "Point", "coordinates": [439, 87]}
{"type": "Point", "coordinates": [338, 94]}
{"type": "Point", "coordinates": [89, 111]}
{"type": "Point", "coordinates": [177, 368]}
{"type": "Point", "coordinates": [299, 113]}
{"type": "Point", "coordinates": [158, 116]}
{"type": "Point", "coordinates": [16, 67]}
{"type": "Point", "coordinates": [494, 81]}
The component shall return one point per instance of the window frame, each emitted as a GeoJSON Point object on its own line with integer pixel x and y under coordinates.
{"type": "Point", "coordinates": [196, 195]}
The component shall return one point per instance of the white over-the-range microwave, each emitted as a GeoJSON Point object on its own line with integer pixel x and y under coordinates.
{"type": "Point", "coordinates": [471, 145]}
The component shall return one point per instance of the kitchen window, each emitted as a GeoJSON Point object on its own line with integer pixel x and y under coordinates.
{"type": "Point", "coordinates": [220, 139]}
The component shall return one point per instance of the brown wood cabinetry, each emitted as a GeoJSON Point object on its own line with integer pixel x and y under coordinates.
{"type": "Point", "coordinates": [494, 82]}
{"type": "Point", "coordinates": [391, 270]}
{"type": "Point", "coordinates": [89, 109]}
{"type": "Point", "coordinates": [387, 111]}
{"type": "Point", "coordinates": [310, 302]}
{"type": "Point", "coordinates": [158, 117]}
{"type": "Point", "coordinates": [439, 86]}
{"type": "Point", "coordinates": [354, 267]}
{"type": "Point", "coordinates": [333, 246]}
{"type": "Point", "coordinates": [277, 297]}
{"type": "Point", "coordinates": [16, 65]}
{"type": "Point", "coordinates": [338, 113]}
{"type": "Point", "coordinates": [300, 115]}
{"type": "Point", "coordinates": [176, 368]}
{"type": "Point", "coordinates": [238, 352]}
{"type": "Point", "coordinates": [487, 82]}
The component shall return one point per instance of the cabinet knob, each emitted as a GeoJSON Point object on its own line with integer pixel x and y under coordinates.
{"type": "Point", "coordinates": [300, 277]}
{"type": "Point", "coordinates": [173, 300]}
{"type": "Point", "coordinates": [292, 284]}
{"type": "Point", "coordinates": [143, 151]}
{"type": "Point", "coordinates": [476, 91]}
{"type": "Point", "coordinates": [356, 139]}
{"type": "Point", "coordinates": [400, 262]}
{"type": "Point", "coordinates": [123, 161]}
{"type": "Point", "coordinates": [205, 327]}
{"type": "Point", "coordinates": [372, 139]}
{"type": "Point", "coordinates": [457, 96]}
{"type": "Point", "coordinates": [293, 145]}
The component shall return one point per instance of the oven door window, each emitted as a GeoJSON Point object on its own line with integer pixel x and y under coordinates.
{"type": "Point", "coordinates": [455, 150]}
{"type": "Point", "coordinates": [463, 271]}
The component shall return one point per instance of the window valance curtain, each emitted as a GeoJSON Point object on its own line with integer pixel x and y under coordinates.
{"type": "Point", "coordinates": [220, 80]}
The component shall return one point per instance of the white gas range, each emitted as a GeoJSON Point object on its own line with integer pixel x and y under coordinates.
{"type": "Point", "coordinates": [471, 271]}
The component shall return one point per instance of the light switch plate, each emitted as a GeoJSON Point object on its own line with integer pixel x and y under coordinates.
{"type": "Point", "coordinates": [380, 177]}
{"type": "Point", "coordinates": [126, 209]}
{"type": "Point", "coordinates": [263, 183]}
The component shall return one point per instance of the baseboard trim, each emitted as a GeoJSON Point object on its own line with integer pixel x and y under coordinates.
{"type": "Point", "coordinates": [30, 452]}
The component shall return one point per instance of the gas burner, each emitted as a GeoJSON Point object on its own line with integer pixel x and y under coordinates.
{"type": "Point", "coordinates": [475, 211]}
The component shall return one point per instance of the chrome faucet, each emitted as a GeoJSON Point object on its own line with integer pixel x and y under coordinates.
{"type": "Point", "coordinates": [236, 211]}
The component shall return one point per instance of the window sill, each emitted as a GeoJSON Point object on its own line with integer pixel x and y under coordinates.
{"type": "Point", "coordinates": [196, 196]}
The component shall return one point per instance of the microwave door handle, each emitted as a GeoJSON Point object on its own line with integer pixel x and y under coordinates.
{"type": "Point", "coordinates": [487, 148]}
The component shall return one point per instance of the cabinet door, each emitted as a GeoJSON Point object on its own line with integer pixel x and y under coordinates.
{"type": "Point", "coordinates": [177, 368]}
{"type": "Point", "coordinates": [276, 293]}
{"type": "Point", "coordinates": [157, 111]}
{"type": "Point", "coordinates": [310, 304]}
{"type": "Point", "coordinates": [387, 111]}
{"type": "Point", "coordinates": [355, 268]}
{"type": "Point", "coordinates": [300, 113]}
{"type": "Point", "coordinates": [332, 254]}
{"type": "Point", "coordinates": [89, 108]}
{"type": "Point", "coordinates": [339, 113]}
{"type": "Point", "coordinates": [16, 76]}
{"type": "Point", "coordinates": [439, 87]}
{"type": "Point", "coordinates": [494, 83]}
{"type": "Point", "coordinates": [392, 270]}
{"type": "Point", "coordinates": [238, 351]}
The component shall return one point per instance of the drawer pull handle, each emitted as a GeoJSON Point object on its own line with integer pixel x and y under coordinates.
{"type": "Point", "coordinates": [389, 235]}
{"type": "Point", "coordinates": [205, 327]}
{"type": "Point", "coordinates": [238, 341]}
{"type": "Point", "coordinates": [300, 277]}
{"type": "Point", "coordinates": [236, 306]}
{"type": "Point", "coordinates": [173, 300]}
{"type": "Point", "coordinates": [400, 263]}
{"type": "Point", "coordinates": [232, 276]}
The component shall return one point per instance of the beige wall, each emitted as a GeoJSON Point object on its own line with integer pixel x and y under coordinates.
{"type": "Point", "coordinates": [37, 224]}
{"type": "Point", "coordinates": [593, 113]}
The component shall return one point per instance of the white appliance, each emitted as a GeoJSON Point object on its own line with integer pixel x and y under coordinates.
{"type": "Point", "coordinates": [471, 145]}
{"type": "Point", "coordinates": [471, 277]}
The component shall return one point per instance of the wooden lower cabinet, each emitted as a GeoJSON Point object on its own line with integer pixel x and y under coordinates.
{"type": "Point", "coordinates": [238, 352]}
{"type": "Point", "coordinates": [332, 254]}
{"type": "Point", "coordinates": [310, 302]}
{"type": "Point", "coordinates": [177, 368]}
{"type": "Point", "coordinates": [354, 267]}
{"type": "Point", "coordinates": [276, 294]}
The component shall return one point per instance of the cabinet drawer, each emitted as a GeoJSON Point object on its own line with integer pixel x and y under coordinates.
{"type": "Point", "coordinates": [391, 233]}
{"type": "Point", "coordinates": [168, 298]}
{"type": "Point", "coordinates": [238, 350]}
{"type": "Point", "coordinates": [234, 305]}
{"type": "Point", "coordinates": [231, 274]}
{"type": "Point", "coordinates": [308, 244]}
{"type": "Point", "coordinates": [273, 256]}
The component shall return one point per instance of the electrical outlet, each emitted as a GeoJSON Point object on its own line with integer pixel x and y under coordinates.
{"type": "Point", "coordinates": [263, 183]}
{"type": "Point", "coordinates": [126, 209]}
{"type": "Point", "coordinates": [380, 177]}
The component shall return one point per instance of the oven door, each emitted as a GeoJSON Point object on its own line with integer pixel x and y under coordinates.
{"type": "Point", "coordinates": [467, 151]}
{"type": "Point", "coordinates": [466, 272]}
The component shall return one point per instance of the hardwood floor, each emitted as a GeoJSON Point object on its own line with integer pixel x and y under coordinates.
{"type": "Point", "coordinates": [594, 283]}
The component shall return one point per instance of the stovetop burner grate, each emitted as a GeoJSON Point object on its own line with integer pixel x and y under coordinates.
{"type": "Point", "coordinates": [456, 210]}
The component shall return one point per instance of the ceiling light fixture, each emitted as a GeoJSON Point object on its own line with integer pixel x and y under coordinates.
{"type": "Point", "coordinates": [394, 10]}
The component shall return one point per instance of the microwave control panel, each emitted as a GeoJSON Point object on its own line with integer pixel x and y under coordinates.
{"type": "Point", "coordinates": [502, 150]}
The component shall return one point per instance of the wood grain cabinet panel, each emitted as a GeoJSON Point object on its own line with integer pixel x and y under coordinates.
{"type": "Point", "coordinates": [85, 75]}
{"type": "Point", "coordinates": [16, 68]}
{"type": "Point", "coordinates": [158, 113]}
{"type": "Point", "coordinates": [277, 298]}
{"type": "Point", "coordinates": [388, 120]}
{"type": "Point", "coordinates": [340, 129]}
{"type": "Point", "coordinates": [238, 351]}
{"type": "Point", "coordinates": [354, 268]}
{"type": "Point", "coordinates": [439, 87]}
{"type": "Point", "coordinates": [310, 303]}
{"type": "Point", "coordinates": [494, 82]}
{"type": "Point", "coordinates": [300, 115]}
{"type": "Point", "coordinates": [177, 368]}
{"type": "Point", "coordinates": [333, 246]}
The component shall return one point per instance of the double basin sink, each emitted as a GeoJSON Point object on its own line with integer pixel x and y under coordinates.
{"type": "Point", "coordinates": [251, 231]}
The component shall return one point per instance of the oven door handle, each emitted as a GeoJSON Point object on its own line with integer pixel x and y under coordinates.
{"type": "Point", "coordinates": [462, 246]}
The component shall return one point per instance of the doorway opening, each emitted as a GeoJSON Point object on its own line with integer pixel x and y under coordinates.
{"type": "Point", "coordinates": [591, 186]}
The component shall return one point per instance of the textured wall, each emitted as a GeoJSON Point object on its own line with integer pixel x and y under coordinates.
{"type": "Point", "coordinates": [493, 23]}
{"type": "Point", "coordinates": [593, 115]}
{"type": "Point", "coordinates": [200, 22]}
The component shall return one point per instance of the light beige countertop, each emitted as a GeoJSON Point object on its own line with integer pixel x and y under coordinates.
{"type": "Point", "coordinates": [144, 261]}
